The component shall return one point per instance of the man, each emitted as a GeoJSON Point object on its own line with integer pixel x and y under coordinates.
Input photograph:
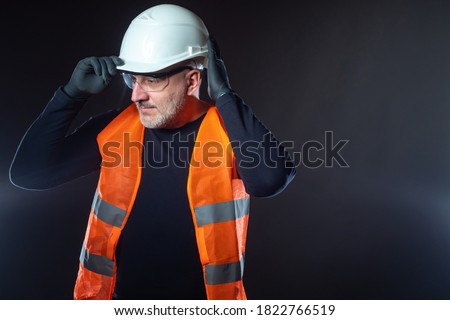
{"type": "Point", "coordinates": [170, 212]}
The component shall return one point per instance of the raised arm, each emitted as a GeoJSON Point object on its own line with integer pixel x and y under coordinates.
{"type": "Point", "coordinates": [48, 155]}
{"type": "Point", "coordinates": [262, 162]}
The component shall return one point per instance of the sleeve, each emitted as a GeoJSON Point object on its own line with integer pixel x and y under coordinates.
{"type": "Point", "coordinates": [263, 163]}
{"type": "Point", "coordinates": [48, 155]}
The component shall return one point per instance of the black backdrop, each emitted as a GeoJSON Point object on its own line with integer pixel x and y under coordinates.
{"type": "Point", "coordinates": [373, 73]}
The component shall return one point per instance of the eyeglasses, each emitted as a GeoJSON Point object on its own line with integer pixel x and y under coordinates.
{"type": "Point", "coordinates": [153, 82]}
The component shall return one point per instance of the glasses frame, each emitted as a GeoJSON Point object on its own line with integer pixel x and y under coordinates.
{"type": "Point", "coordinates": [157, 75]}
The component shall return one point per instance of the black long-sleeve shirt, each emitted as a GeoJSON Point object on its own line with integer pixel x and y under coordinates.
{"type": "Point", "coordinates": [157, 256]}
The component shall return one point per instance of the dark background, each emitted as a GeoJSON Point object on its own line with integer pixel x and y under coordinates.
{"type": "Point", "coordinates": [374, 73]}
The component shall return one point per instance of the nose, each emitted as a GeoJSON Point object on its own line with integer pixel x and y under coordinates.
{"type": "Point", "coordinates": [138, 94]}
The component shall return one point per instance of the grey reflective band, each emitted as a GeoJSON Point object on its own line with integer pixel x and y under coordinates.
{"type": "Point", "coordinates": [107, 212]}
{"type": "Point", "coordinates": [224, 273]}
{"type": "Point", "coordinates": [96, 263]}
{"type": "Point", "coordinates": [222, 211]}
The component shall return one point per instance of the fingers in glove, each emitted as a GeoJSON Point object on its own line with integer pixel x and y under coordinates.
{"type": "Point", "coordinates": [213, 48]}
{"type": "Point", "coordinates": [96, 66]}
{"type": "Point", "coordinates": [104, 70]}
{"type": "Point", "coordinates": [117, 61]}
{"type": "Point", "coordinates": [111, 65]}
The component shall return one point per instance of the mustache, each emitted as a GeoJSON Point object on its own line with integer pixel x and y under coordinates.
{"type": "Point", "coordinates": [145, 104]}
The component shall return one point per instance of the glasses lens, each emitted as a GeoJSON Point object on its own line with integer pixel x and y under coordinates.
{"type": "Point", "coordinates": [129, 80]}
{"type": "Point", "coordinates": [148, 84]}
{"type": "Point", "coordinates": [153, 83]}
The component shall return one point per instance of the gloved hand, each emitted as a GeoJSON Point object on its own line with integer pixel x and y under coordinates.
{"type": "Point", "coordinates": [218, 82]}
{"type": "Point", "coordinates": [91, 76]}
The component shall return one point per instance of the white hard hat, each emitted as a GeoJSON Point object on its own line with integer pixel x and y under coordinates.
{"type": "Point", "coordinates": [162, 36]}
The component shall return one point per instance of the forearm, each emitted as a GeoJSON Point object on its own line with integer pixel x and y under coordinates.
{"type": "Point", "coordinates": [47, 156]}
{"type": "Point", "coordinates": [262, 162]}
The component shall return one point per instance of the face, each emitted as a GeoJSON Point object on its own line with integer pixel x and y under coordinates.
{"type": "Point", "coordinates": [161, 109]}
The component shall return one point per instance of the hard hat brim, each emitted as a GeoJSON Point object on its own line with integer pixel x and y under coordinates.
{"type": "Point", "coordinates": [140, 67]}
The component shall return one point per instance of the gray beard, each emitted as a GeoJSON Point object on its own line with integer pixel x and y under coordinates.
{"type": "Point", "coordinates": [164, 120]}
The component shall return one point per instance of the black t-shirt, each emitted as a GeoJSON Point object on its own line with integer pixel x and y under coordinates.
{"type": "Point", "coordinates": [168, 265]}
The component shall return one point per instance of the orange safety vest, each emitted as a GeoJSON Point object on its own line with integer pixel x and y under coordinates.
{"type": "Point", "coordinates": [217, 198]}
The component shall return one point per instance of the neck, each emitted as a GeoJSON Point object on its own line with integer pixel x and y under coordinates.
{"type": "Point", "coordinates": [192, 109]}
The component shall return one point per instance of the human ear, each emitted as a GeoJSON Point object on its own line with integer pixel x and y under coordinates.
{"type": "Point", "coordinates": [193, 80]}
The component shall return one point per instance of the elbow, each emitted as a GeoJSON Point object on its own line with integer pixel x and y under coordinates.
{"type": "Point", "coordinates": [24, 179]}
{"type": "Point", "coordinates": [270, 186]}
{"type": "Point", "coordinates": [20, 181]}
{"type": "Point", "coordinates": [16, 180]}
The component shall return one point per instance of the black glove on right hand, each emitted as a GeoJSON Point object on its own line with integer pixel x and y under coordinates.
{"type": "Point", "coordinates": [91, 76]}
{"type": "Point", "coordinates": [218, 82]}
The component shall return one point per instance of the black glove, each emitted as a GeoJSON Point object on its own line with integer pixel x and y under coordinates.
{"type": "Point", "coordinates": [91, 76]}
{"type": "Point", "coordinates": [218, 83]}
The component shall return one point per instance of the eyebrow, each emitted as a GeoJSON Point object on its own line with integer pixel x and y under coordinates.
{"type": "Point", "coordinates": [163, 74]}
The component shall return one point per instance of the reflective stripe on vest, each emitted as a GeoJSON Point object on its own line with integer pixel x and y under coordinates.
{"type": "Point", "coordinates": [107, 212]}
{"type": "Point", "coordinates": [218, 201]}
{"type": "Point", "coordinates": [222, 211]}
{"type": "Point", "coordinates": [224, 273]}
{"type": "Point", "coordinates": [96, 263]}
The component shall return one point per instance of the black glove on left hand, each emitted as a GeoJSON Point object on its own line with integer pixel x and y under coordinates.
{"type": "Point", "coordinates": [218, 82]}
{"type": "Point", "coordinates": [91, 76]}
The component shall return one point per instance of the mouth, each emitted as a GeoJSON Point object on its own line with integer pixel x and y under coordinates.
{"type": "Point", "coordinates": [145, 108]}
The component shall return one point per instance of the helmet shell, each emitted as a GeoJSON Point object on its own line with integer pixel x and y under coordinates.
{"type": "Point", "coordinates": [162, 36]}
